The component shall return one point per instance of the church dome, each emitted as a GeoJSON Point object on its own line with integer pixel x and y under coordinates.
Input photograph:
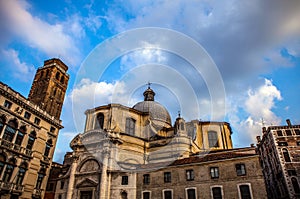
{"type": "Point", "coordinates": [158, 113]}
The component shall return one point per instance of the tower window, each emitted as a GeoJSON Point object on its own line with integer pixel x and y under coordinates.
{"type": "Point", "coordinates": [130, 126]}
{"type": "Point", "coordinates": [213, 139]}
{"type": "Point", "coordinates": [57, 75]}
{"type": "Point", "coordinates": [99, 121]}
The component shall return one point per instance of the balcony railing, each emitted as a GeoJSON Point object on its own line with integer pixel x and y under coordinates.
{"type": "Point", "coordinates": [37, 193]}
{"type": "Point", "coordinates": [11, 186]}
{"type": "Point", "coordinates": [14, 147]}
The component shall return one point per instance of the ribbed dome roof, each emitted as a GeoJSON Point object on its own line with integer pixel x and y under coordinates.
{"type": "Point", "coordinates": [158, 113]}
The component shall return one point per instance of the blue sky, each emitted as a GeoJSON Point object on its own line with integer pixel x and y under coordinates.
{"type": "Point", "coordinates": [255, 46]}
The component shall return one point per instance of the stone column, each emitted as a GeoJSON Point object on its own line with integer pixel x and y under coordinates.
{"type": "Point", "coordinates": [72, 177]}
{"type": "Point", "coordinates": [103, 183]}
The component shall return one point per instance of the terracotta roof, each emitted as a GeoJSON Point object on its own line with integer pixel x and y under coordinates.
{"type": "Point", "coordinates": [212, 157]}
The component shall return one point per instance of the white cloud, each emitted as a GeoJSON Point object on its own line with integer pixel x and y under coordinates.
{"type": "Point", "coordinates": [48, 38]}
{"type": "Point", "coordinates": [21, 70]}
{"type": "Point", "coordinates": [258, 107]}
{"type": "Point", "coordinates": [88, 94]}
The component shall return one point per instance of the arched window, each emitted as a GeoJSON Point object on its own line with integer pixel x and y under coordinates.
{"type": "Point", "coordinates": [10, 130]}
{"type": "Point", "coordinates": [62, 79]}
{"type": "Point", "coordinates": [99, 121]}
{"type": "Point", "coordinates": [213, 139]}
{"type": "Point", "coordinates": [42, 74]}
{"type": "Point", "coordinates": [20, 135]}
{"type": "Point", "coordinates": [48, 147]}
{"type": "Point", "coordinates": [286, 155]}
{"type": "Point", "coordinates": [295, 186]}
{"type": "Point", "coordinates": [9, 170]}
{"type": "Point", "coordinates": [123, 195]}
{"type": "Point", "coordinates": [21, 173]}
{"type": "Point", "coordinates": [31, 139]}
{"type": "Point", "coordinates": [57, 75]}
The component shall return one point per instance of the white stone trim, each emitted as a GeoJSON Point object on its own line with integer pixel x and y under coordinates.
{"type": "Point", "coordinates": [211, 192]}
{"type": "Point", "coordinates": [239, 191]}
{"type": "Point", "coordinates": [186, 194]}
{"type": "Point", "coordinates": [148, 192]}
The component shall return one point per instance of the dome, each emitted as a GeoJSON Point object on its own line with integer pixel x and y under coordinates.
{"type": "Point", "coordinates": [158, 113]}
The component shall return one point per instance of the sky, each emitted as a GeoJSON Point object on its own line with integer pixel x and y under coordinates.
{"type": "Point", "coordinates": [234, 60]}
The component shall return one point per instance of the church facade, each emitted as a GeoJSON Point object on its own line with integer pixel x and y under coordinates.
{"type": "Point", "coordinates": [136, 152]}
{"type": "Point", "coordinates": [29, 129]}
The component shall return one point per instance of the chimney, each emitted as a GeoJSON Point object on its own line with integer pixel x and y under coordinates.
{"type": "Point", "coordinates": [288, 121]}
{"type": "Point", "coordinates": [258, 139]}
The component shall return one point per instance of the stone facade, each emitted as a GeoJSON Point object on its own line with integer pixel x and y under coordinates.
{"type": "Point", "coordinates": [28, 135]}
{"type": "Point", "coordinates": [121, 145]}
{"type": "Point", "coordinates": [218, 174]}
{"type": "Point", "coordinates": [279, 149]}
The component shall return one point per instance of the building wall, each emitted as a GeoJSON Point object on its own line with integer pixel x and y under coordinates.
{"type": "Point", "coordinates": [203, 182]}
{"type": "Point", "coordinates": [281, 171]}
{"type": "Point", "coordinates": [27, 123]}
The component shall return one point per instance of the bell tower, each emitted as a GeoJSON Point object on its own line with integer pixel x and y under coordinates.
{"type": "Point", "coordinates": [49, 86]}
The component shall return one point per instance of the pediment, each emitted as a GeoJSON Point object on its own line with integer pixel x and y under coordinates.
{"type": "Point", "coordinates": [87, 183]}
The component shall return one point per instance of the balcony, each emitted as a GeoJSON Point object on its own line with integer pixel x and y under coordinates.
{"type": "Point", "coordinates": [11, 187]}
{"type": "Point", "coordinates": [37, 193]}
{"type": "Point", "coordinates": [15, 148]}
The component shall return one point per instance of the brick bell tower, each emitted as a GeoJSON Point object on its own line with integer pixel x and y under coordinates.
{"type": "Point", "coordinates": [49, 86]}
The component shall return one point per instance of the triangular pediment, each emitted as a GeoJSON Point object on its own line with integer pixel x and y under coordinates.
{"type": "Point", "coordinates": [87, 183]}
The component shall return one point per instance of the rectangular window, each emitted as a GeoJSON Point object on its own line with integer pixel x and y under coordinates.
{"type": "Point", "coordinates": [124, 180]}
{"type": "Point", "coordinates": [146, 178]}
{"type": "Point", "coordinates": [39, 181]}
{"type": "Point", "coordinates": [146, 195]}
{"type": "Point", "coordinates": [27, 115]}
{"type": "Point", "coordinates": [297, 131]}
{"type": "Point", "coordinates": [167, 177]}
{"type": "Point", "coordinates": [282, 144]}
{"type": "Point", "coordinates": [217, 192]}
{"type": "Point", "coordinates": [288, 132]}
{"type": "Point", "coordinates": [214, 172]}
{"type": "Point", "coordinates": [191, 193]}
{"type": "Point", "coordinates": [167, 194]}
{"type": "Point", "coordinates": [292, 172]}
{"type": "Point", "coordinates": [130, 126]}
{"type": "Point", "coordinates": [19, 138]}
{"type": "Point", "coordinates": [37, 121]}
{"type": "Point", "coordinates": [240, 169]}
{"type": "Point", "coordinates": [190, 174]}
{"type": "Point", "coordinates": [245, 192]}
{"type": "Point", "coordinates": [213, 139]}
{"type": "Point", "coordinates": [62, 184]}
{"type": "Point", "coordinates": [7, 104]}
{"type": "Point", "coordinates": [52, 129]}
{"type": "Point", "coordinates": [279, 133]}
